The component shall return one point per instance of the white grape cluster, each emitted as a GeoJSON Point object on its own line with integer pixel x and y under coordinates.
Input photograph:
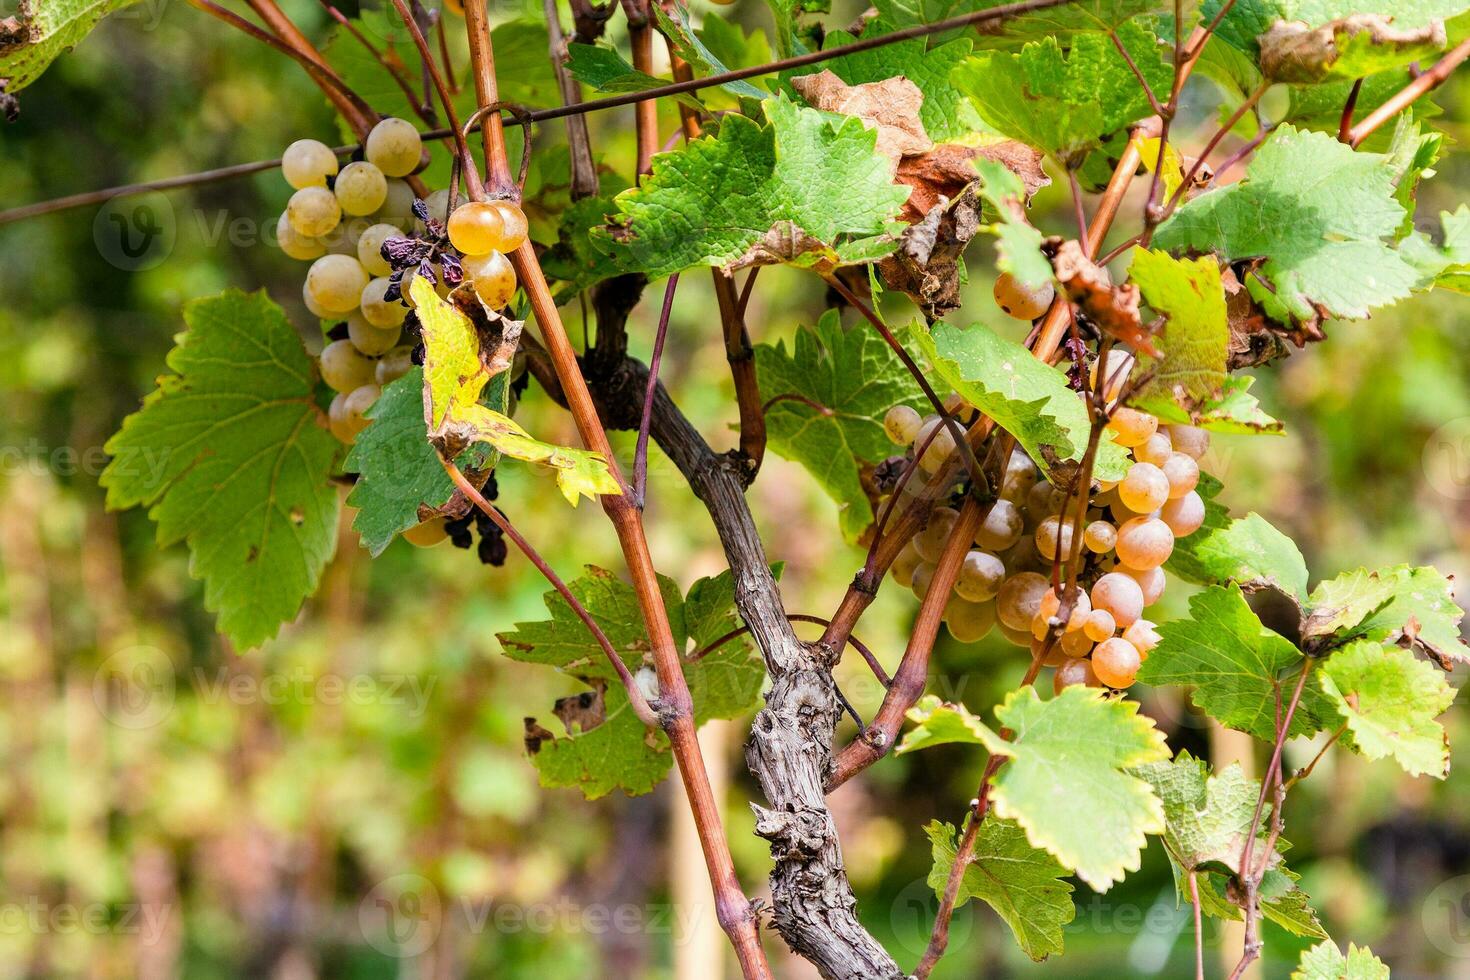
{"type": "Point", "coordinates": [339, 220]}
{"type": "Point", "coordinates": [1005, 580]}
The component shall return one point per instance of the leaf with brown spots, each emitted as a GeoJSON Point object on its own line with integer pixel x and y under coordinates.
{"type": "Point", "coordinates": [1113, 309]}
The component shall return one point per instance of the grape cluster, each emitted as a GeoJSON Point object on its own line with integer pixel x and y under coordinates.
{"type": "Point", "coordinates": [366, 234]}
{"type": "Point", "coordinates": [1005, 580]}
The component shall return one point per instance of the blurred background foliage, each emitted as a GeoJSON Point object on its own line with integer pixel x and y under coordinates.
{"type": "Point", "coordinates": [353, 800]}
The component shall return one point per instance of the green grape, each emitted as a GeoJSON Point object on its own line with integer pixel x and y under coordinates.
{"type": "Point", "coordinates": [370, 248]}
{"type": "Point", "coordinates": [923, 576]}
{"type": "Point", "coordinates": [335, 283]}
{"type": "Point", "coordinates": [1100, 537]}
{"type": "Point", "coordinates": [930, 541]}
{"type": "Point", "coordinates": [382, 313]}
{"type": "Point", "coordinates": [1019, 598]}
{"type": "Point", "coordinates": [438, 206]}
{"type": "Point", "coordinates": [345, 415]}
{"type": "Point", "coordinates": [1115, 662]}
{"type": "Point", "coordinates": [1190, 441]}
{"type": "Point", "coordinates": [426, 534]}
{"type": "Point", "coordinates": [980, 576]}
{"type": "Point", "coordinates": [394, 147]}
{"type": "Point", "coordinates": [902, 424]}
{"type": "Point", "coordinates": [397, 206]}
{"type": "Point", "coordinates": [317, 310]}
{"type": "Point", "coordinates": [1021, 301]}
{"type": "Point", "coordinates": [1182, 472]}
{"type": "Point", "coordinates": [904, 565]}
{"type": "Point", "coordinates": [345, 368]}
{"type": "Point", "coordinates": [343, 239]}
{"type": "Point", "coordinates": [1119, 595]}
{"type": "Point", "coordinates": [1185, 514]}
{"type": "Point", "coordinates": [1145, 488]}
{"type": "Point", "coordinates": [308, 163]}
{"type": "Point", "coordinates": [394, 364]}
{"type": "Point", "coordinates": [313, 212]}
{"type": "Point", "coordinates": [493, 278]}
{"type": "Point", "coordinates": [295, 244]}
{"type": "Point", "coordinates": [361, 188]}
{"type": "Point", "coordinates": [968, 622]}
{"type": "Point", "coordinates": [369, 339]}
{"type": "Point", "coordinates": [1002, 527]}
{"type": "Point", "coordinates": [1144, 543]}
{"type": "Point", "coordinates": [475, 228]}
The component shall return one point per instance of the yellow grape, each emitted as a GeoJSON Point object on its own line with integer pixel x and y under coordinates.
{"type": "Point", "coordinates": [313, 211]}
{"type": "Point", "coordinates": [1100, 625]}
{"type": "Point", "coordinates": [1150, 580]}
{"type": "Point", "coordinates": [1145, 488]}
{"type": "Point", "coordinates": [335, 283]}
{"type": "Point", "coordinates": [1073, 672]}
{"type": "Point", "coordinates": [968, 622]}
{"type": "Point", "coordinates": [980, 576]}
{"type": "Point", "coordinates": [1182, 473]}
{"type": "Point", "coordinates": [345, 368]}
{"type": "Point", "coordinates": [930, 541]}
{"type": "Point", "coordinates": [1021, 301]}
{"type": "Point", "coordinates": [1120, 595]}
{"type": "Point", "coordinates": [1185, 514]}
{"type": "Point", "coordinates": [369, 339]}
{"type": "Point", "coordinates": [397, 206]}
{"type": "Point", "coordinates": [1143, 635]}
{"type": "Point", "coordinates": [1131, 427]}
{"type": "Point", "coordinates": [295, 244]}
{"type": "Point", "coordinates": [493, 278]}
{"type": "Point", "coordinates": [901, 424]}
{"type": "Point", "coordinates": [475, 228]}
{"type": "Point", "coordinates": [905, 564]}
{"type": "Point", "coordinates": [394, 147]}
{"type": "Point", "coordinates": [923, 576]}
{"type": "Point", "coordinates": [1189, 440]}
{"type": "Point", "coordinates": [1115, 662]}
{"type": "Point", "coordinates": [514, 227]}
{"type": "Point", "coordinates": [1155, 449]}
{"type": "Point", "coordinates": [426, 534]}
{"type": "Point", "coordinates": [370, 248]}
{"type": "Point", "coordinates": [1100, 537]}
{"type": "Point", "coordinates": [308, 163]}
{"type": "Point", "coordinates": [394, 364]}
{"type": "Point", "coordinates": [361, 188]}
{"type": "Point", "coordinates": [382, 313]}
{"type": "Point", "coordinates": [1002, 527]}
{"type": "Point", "coordinates": [1144, 543]}
{"type": "Point", "coordinates": [1019, 598]}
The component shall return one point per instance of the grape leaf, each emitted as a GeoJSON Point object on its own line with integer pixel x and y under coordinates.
{"type": "Point", "coordinates": [398, 470]}
{"type": "Point", "coordinates": [1390, 699]}
{"type": "Point", "coordinates": [1068, 20]}
{"type": "Point", "coordinates": [231, 454]}
{"type": "Point", "coordinates": [43, 30]}
{"type": "Point", "coordinates": [1018, 242]}
{"type": "Point", "coordinates": [580, 258]}
{"type": "Point", "coordinates": [1247, 551]}
{"type": "Point", "coordinates": [1025, 397]}
{"type": "Point", "coordinates": [1318, 213]}
{"type": "Point", "coordinates": [1282, 902]}
{"type": "Point", "coordinates": [1245, 22]}
{"type": "Point", "coordinates": [940, 723]}
{"type": "Point", "coordinates": [805, 187]}
{"type": "Point", "coordinates": [723, 682]}
{"type": "Point", "coordinates": [946, 115]}
{"type": "Point", "coordinates": [673, 23]}
{"type": "Point", "coordinates": [605, 71]}
{"type": "Point", "coordinates": [1325, 962]}
{"type": "Point", "coordinates": [1021, 883]}
{"type": "Point", "coordinates": [1447, 264]}
{"type": "Point", "coordinates": [606, 746]}
{"type": "Point", "coordinates": [1237, 667]}
{"type": "Point", "coordinates": [1067, 782]}
{"type": "Point", "coordinates": [1206, 817]}
{"type": "Point", "coordinates": [1065, 102]}
{"type": "Point", "coordinates": [856, 378]}
{"type": "Point", "coordinates": [1348, 47]}
{"type": "Point", "coordinates": [1386, 605]}
{"type": "Point", "coordinates": [454, 377]}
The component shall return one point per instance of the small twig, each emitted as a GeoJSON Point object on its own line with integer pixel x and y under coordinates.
{"type": "Point", "coordinates": [1345, 125]}
{"type": "Point", "coordinates": [1400, 100]}
{"type": "Point", "coordinates": [425, 110]}
{"type": "Point", "coordinates": [641, 707]}
{"type": "Point", "coordinates": [640, 450]}
{"type": "Point", "coordinates": [1153, 100]}
{"type": "Point", "coordinates": [449, 73]}
{"type": "Point", "coordinates": [793, 396]}
{"type": "Point", "coordinates": [1220, 134]}
{"type": "Point", "coordinates": [1077, 210]}
{"type": "Point", "coordinates": [1306, 770]}
{"type": "Point", "coordinates": [740, 355]}
{"type": "Point", "coordinates": [579, 144]}
{"type": "Point", "coordinates": [854, 642]}
{"type": "Point", "coordinates": [1199, 932]}
{"type": "Point", "coordinates": [467, 160]}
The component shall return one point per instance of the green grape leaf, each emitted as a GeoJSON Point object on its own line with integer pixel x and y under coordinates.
{"type": "Point", "coordinates": [797, 189]}
{"type": "Point", "coordinates": [1066, 21]}
{"type": "Point", "coordinates": [940, 723]}
{"type": "Point", "coordinates": [1189, 295]}
{"type": "Point", "coordinates": [398, 469]}
{"type": "Point", "coordinates": [856, 378]}
{"type": "Point", "coordinates": [1065, 102]}
{"type": "Point", "coordinates": [580, 258]}
{"type": "Point", "coordinates": [1390, 699]}
{"type": "Point", "coordinates": [1067, 783]}
{"type": "Point", "coordinates": [1320, 106]}
{"type": "Point", "coordinates": [455, 375]}
{"type": "Point", "coordinates": [1207, 817]}
{"type": "Point", "coordinates": [1445, 265]}
{"type": "Point", "coordinates": [673, 23]}
{"type": "Point", "coordinates": [1237, 667]}
{"type": "Point", "coordinates": [1024, 885]}
{"type": "Point", "coordinates": [1018, 242]}
{"type": "Point", "coordinates": [723, 683]}
{"type": "Point", "coordinates": [1245, 22]}
{"type": "Point", "coordinates": [1282, 902]}
{"type": "Point", "coordinates": [232, 455]}
{"type": "Point", "coordinates": [1388, 605]}
{"type": "Point", "coordinates": [606, 72]}
{"type": "Point", "coordinates": [1025, 397]}
{"type": "Point", "coordinates": [945, 114]}
{"type": "Point", "coordinates": [1325, 962]}
{"type": "Point", "coordinates": [41, 31]}
{"type": "Point", "coordinates": [1317, 213]}
{"type": "Point", "coordinates": [1247, 551]}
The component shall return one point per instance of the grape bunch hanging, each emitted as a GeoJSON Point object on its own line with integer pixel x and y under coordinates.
{"type": "Point", "coordinates": [366, 234]}
{"type": "Point", "coordinates": [1006, 580]}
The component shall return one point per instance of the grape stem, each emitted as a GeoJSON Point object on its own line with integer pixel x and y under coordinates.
{"type": "Point", "coordinates": [423, 107]}
{"type": "Point", "coordinates": [863, 650]}
{"type": "Point", "coordinates": [641, 707]}
{"type": "Point", "coordinates": [1400, 100]}
{"type": "Point", "coordinates": [640, 451]}
{"type": "Point", "coordinates": [426, 57]}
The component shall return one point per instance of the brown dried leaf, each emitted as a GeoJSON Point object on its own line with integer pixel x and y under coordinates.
{"type": "Point", "coordinates": [785, 242]}
{"type": "Point", "coordinates": [582, 712]}
{"type": "Point", "coordinates": [926, 264]}
{"type": "Point", "coordinates": [890, 106]}
{"type": "Point", "coordinates": [1111, 308]}
{"type": "Point", "coordinates": [1292, 51]}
